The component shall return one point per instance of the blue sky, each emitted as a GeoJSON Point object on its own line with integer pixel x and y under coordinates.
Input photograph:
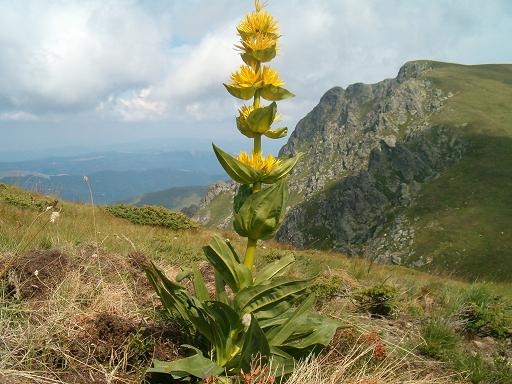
{"type": "Point", "coordinates": [95, 73]}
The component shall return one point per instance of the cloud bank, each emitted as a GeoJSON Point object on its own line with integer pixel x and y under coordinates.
{"type": "Point", "coordinates": [164, 61]}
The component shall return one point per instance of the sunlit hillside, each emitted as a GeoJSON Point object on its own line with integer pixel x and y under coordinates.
{"type": "Point", "coordinates": [75, 305]}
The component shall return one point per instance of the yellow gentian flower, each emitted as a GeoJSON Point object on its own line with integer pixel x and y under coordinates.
{"type": "Point", "coordinates": [258, 42]}
{"type": "Point", "coordinates": [258, 22]}
{"type": "Point", "coordinates": [271, 77]}
{"type": "Point", "coordinates": [245, 77]}
{"type": "Point", "coordinates": [256, 161]}
{"type": "Point", "coordinates": [243, 113]}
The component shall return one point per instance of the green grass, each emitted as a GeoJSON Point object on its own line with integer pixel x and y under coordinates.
{"type": "Point", "coordinates": [42, 336]}
{"type": "Point", "coordinates": [463, 218]}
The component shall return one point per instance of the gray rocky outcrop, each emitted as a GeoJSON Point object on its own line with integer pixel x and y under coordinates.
{"type": "Point", "coordinates": [368, 149]}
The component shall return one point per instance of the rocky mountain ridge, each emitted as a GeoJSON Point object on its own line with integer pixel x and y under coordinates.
{"type": "Point", "coordinates": [367, 150]}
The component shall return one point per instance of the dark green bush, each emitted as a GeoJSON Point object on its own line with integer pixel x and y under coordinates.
{"type": "Point", "coordinates": [379, 301]}
{"type": "Point", "coordinates": [327, 287]}
{"type": "Point", "coordinates": [152, 215]}
{"type": "Point", "coordinates": [25, 200]}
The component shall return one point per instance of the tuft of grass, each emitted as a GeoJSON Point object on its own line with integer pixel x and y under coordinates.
{"type": "Point", "coordinates": [440, 340]}
{"type": "Point", "coordinates": [483, 314]}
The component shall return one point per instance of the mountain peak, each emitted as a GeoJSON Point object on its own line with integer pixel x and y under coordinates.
{"type": "Point", "coordinates": [375, 154]}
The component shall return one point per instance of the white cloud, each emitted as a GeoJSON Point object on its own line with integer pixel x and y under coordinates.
{"type": "Point", "coordinates": [165, 61]}
{"type": "Point", "coordinates": [134, 106]}
{"type": "Point", "coordinates": [60, 55]}
{"type": "Point", "coordinates": [17, 116]}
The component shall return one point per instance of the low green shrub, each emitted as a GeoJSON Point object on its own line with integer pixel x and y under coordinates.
{"type": "Point", "coordinates": [379, 301]}
{"type": "Point", "coordinates": [152, 215]}
{"type": "Point", "coordinates": [327, 287]}
{"type": "Point", "coordinates": [25, 200]}
{"type": "Point", "coordinates": [483, 314]}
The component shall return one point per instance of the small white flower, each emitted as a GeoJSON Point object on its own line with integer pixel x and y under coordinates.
{"type": "Point", "coordinates": [54, 216]}
{"type": "Point", "coordinates": [246, 320]}
{"type": "Point", "coordinates": [36, 272]}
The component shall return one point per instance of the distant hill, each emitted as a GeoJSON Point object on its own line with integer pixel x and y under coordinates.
{"type": "Point", "coordinates": [415, 170]}
{"type": "Point", "coordinates": [176, 198]}
{"type": "Point", "coordinates": [113, 176]}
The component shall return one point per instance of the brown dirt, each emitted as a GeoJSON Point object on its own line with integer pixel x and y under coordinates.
{"type": "Point", "coordinates": [114, 339]}
{"type": "Point", "coordinates": [34, 274]}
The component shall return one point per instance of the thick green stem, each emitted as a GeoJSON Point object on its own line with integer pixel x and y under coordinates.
{"type": "Point", "coordinates": [250, 253]}
{"type": "Point", "coordinates": [256, 187]}
{"type": "Point", "coordinates": [257, 145]}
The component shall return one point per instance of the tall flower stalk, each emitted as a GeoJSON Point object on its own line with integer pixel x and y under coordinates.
{"type": "Point", "coordinates": [255, 80]}
{"type": "Point", "coordinates": [263, 314]}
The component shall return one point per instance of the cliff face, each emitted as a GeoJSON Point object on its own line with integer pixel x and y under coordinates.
{"type": "Point", "coordinates": [367, 151]}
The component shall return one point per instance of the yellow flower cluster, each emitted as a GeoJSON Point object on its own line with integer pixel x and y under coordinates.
{"type": "Point", "coordinates": [258, 32]}
{"type": "Point", "coordinates": [244, 112]}
{"type": "Point", "coordinates": [247, 77]}
{"type": "Point", "coordinates": [256, 161]}
{"type": "Point", "coordinates": [259, 22]}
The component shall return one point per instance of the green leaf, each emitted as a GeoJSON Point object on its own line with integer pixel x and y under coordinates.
{"type": "Point", "coordinates": [265, 55]}
{"type": "Point", "coordinates": [183, 275]}
{"type": "Point", "coordinates": [173, 296]}
{"type": "Point", "coordinates": [199, 285]}
{"type": "Point", "coordinates": [311, 331]}
{"type": "Point", "coordinates": [262, 212]}
{"type": "Point", "coordinates": [276, 268]}
{"type": "Point", "coordinates": [277, 133]}
{"type": "Point", "coordinates": [244, 93]}
{"type": "Point", "coordinates": [260, 119]}
{"type": "Point", "coordinates": [244, 191]}
{"type": "Point", "coordinates": [244, 129]}
{"type": "Point", "coordinates": [280, 171]}
{"type": "Point", "coordinates": [196, 365]}
{"type": "Point", "coordinates": [238, 171]}
{"type": "Point", "coordinates": [272, 311]}
{"type": "Point", "coordinates": [220, 290]}
{"type": "Point", "coordinates": [225, 328]}
{"type": "Point", "coordinates": [254, 344]}
{"type": "Point", "coordinates": [278, 335]}
{"type": "Point", "coordinates": [227, 263]}
{"type": "Point", "coordinates": [273, 93]}
{"type": "Point", "coordinates": [253, 298]}
{"type": "Point", "coordinates": [248, 59]}
{"type": "Point", "coordinates": [282, 363]}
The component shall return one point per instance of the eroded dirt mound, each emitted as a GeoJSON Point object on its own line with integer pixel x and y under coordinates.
{"type": "Point", "coordinates": [113, 339]}
{"type": "Point", "coordinates": [36, 273]}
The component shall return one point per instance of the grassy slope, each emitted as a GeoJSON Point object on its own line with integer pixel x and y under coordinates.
{"type": "Point", "coordinates": [102, 282]}
{"type": "Point", "coordinates": [465, 216]}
